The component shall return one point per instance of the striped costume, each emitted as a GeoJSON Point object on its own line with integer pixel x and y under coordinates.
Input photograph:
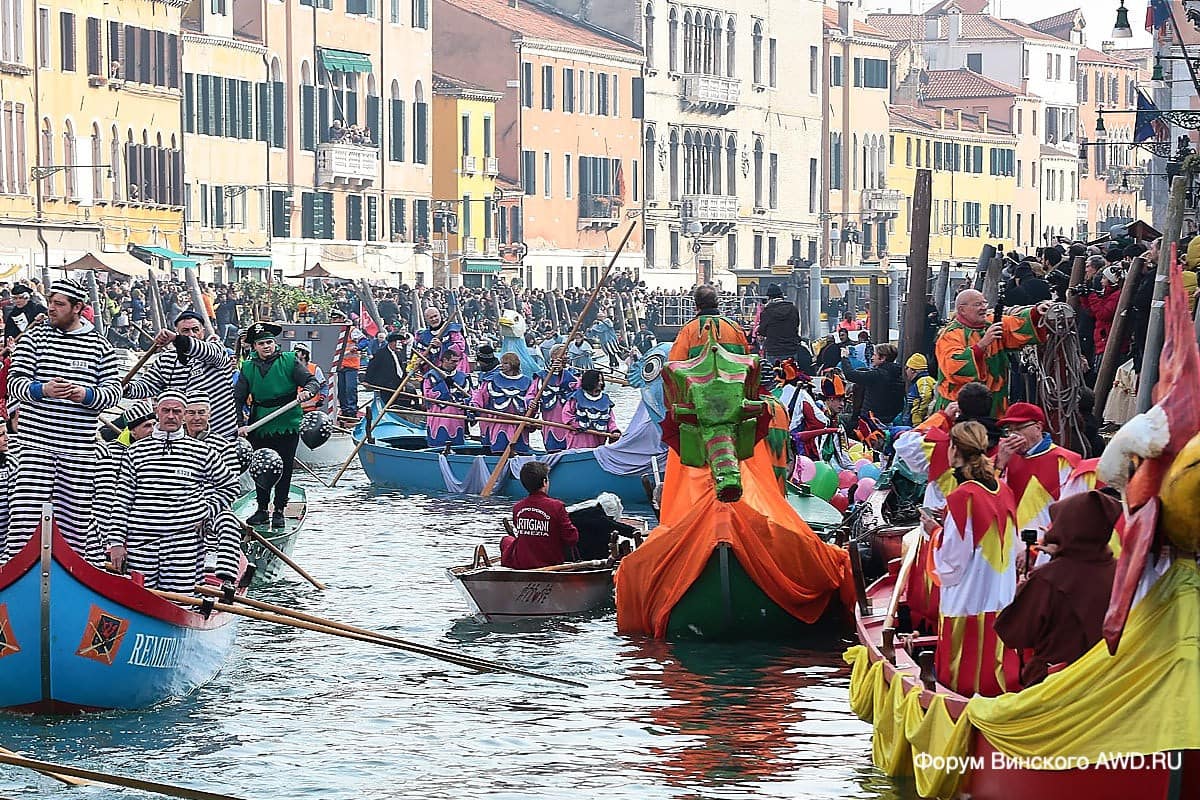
{"type": "Point", "coordinates": [57, 436]}
{"type": "Point", "coordinates": [171, 486]}
{"type": "Point", "coordinates": [8, 469]}
{"type": "Point", "coordinates": [192, 366]}
{"type": "Point", "coordinates": [223, 535]}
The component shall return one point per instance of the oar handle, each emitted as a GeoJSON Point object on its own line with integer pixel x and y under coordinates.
{"type": "Point", "coordinates": [276, 413]}
{"type": "Point", "coordinates": [141, 362]}
{"type": "Point", "coordinates": [282, 556]}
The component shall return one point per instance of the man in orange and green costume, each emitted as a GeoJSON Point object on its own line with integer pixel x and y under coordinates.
{"type": "Point", "coordinates": [972, 348]}
{"type": "Point", "coordinates": [695, 335]}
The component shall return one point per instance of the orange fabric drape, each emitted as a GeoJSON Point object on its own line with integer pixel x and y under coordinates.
{"type": "Point", "coordinates": [773, 544]}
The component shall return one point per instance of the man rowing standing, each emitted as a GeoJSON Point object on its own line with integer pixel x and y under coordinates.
{"type": "Point", "coordinates": [271, 378]}
{"type": "Point", "coordinates": [169, 487]}
{"type": "Point", "coordinates": [438, 336]}
{"type": "Point", "coordinates": [63, 375]}
{"type": "Point", "coordinates": [191, 364]}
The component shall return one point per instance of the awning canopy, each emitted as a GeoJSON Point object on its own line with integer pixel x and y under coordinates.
{"type": "Point", "coordinates": [315, 271]}
{"type": "Point", "coordinates": [251, 262]}
{"type": "Point", "coordinates": [484, 266]}
{"type": "Point", "coordinates": [121, 263]}
{"type": "Point", "coordinates": [344, 60]}
{"type": "Point", "coordinates": [176, 260]}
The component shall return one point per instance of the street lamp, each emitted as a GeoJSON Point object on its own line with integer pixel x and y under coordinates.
{"type": "Point", "coordinates": [1122, 29]}
{"type": "Point", "coordinates": [692, 230]}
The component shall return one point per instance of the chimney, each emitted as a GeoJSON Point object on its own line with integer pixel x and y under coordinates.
{"type": "Point", "coordinates": [958, 119]}
{"type": "Point", "coordinates": [953, 27]}
{"type": "Point", "coordinates": [983, 121]}
{"type": "Point", "coordinates": [941, 118]}
{"type": "Point", "coordinates": [846, 17]}
{"type": "Point", "coordinates": [932, 29]}
{"type": "Point", "coordinates": [513, 4]}
{"type": "Point", "coordinates": [1108, 46]}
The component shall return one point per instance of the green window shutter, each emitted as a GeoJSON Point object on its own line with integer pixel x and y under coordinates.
{"type": "Point", "coordinates": [216, 123]}
{"type": "Point", "coordinates": [189, 103]}
{"type": "Point", "coordinates": [372, 218]}
{"type": "Point", "coordinates": [307, 130]}
{"type": "Point", "coordinates": [247, 110]}
{"type": "Point", "coordinates": [262, 99]}
{"type": "Point", "coordinates": [308, 215]}
{"type": "Point", "coordinates": [373, 118]}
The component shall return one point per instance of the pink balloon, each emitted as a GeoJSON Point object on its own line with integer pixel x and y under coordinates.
{"type": "Point", "coordinates": [806, 468]}
{"type": "Point", "coordinates": [861, 461]}
{"type": "Point", "coordinates": [865, 487]}
{"type": "Point", "coordinates": [846, 479]}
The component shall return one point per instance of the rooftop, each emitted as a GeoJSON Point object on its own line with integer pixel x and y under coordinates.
{"type": "Point", "coordinates": [965, 6]}
{"type": "Point", "coordinates": [1089, 56]}
{"type": "Point", "coordinates": [1061, 25]}
{"type": "Point", "coordinates": [929, 119]}
{"type": "Point", "coordinates": [955, 84]}
{"type": "Point", "coordinates": [860, 27]}
{"type": "Point", "coordinates": [447, 85]}
{"type": "Point", "coordinates": [899, 27]}
{"type": "Point", "coordinates": [533, 22]}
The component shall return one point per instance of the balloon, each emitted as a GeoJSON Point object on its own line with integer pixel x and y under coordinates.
{"type": "Point", "coordinates": [840, 502]}
{"type": "Point", "coordinates": [869, 471]}
{"type": "Point", "coordinates": [824, 483]}
{"type": "Point", "coordinates": [862, 462]}
{"type": "Point", "coordinates": [865, 487]}
{"type": "Point", "coordinates": [846, 479]}
{"type": "Point", "coordinates": [806, 468]}
{"type": "Point", "coordinates": [266, 468]}
{"type": "Point", "coordinates": [315, 429]}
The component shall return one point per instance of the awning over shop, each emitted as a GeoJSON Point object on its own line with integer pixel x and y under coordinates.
{"type": "Point", "coordinates": [344, 60]}
{"type": "Point", "coordinates": [251, 262]}
{"type": "Point", "coordinates": [121, 263]}
{"type": "Point", "coordinates": [483, 266]}
{"type": "Point", "coordinates": [176, 260]}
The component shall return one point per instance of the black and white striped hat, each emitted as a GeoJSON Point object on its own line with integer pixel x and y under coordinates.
{"type": "Point", "coordinates": [70, 289]}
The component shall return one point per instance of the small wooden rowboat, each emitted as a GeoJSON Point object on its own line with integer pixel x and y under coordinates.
{"type": "Point", "coordinates": [987, 777]}
{"type": "Point", "coordinates": [74, 638]}
{"type": "Point", "coordinates": [268, 566]}
{"type": "Point", "coordinates": [498, 594]}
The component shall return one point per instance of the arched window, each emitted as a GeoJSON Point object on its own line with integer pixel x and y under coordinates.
{"type": "Point", "coordinates": [276, 72]}
{"type": "Point", "coordinates": [72, 192]}
{"type": "Point", "coordinates": [756, 37]}
{"type": "Point", "coordinates": [853, 156]}
{"type": "Point", "coordinates": [114, 161]}
{"type": "Point", "coordinates": [673, 40]}
{"type": "Point", "coordinates": [835, 161]}
{"type": "Point", "coordinates": [648, 33]}
{"type": "Point", "coordinates": [97, 145]}
{"type": "Point", "coordinates": [687, 41]}
{"type": "Point", "coordinates": [730, 54]}
{"type": "Point", "coordinates": [714, 160]}
{"type": "Point", "coordinates": [758, 173]}
{"type": "Point", "coordinates": [374, 111]}
{"type": "Point", "coordinates": [731, 161]}
{"type": "Point", "coordinates": [649, 157]}
{"type": "Point", "coordinates": [689, 165]}
{"type": "Point", "coordinates": [49, 184]}
{"type": "Point", "coordinates": [674, 164]}
{"type": "Point", "coordinates": [396, 124]}
{"type": "Point", "coordinates": [308, 108]}
{"type": "Point", "coordinates": [420, 126]}
{"type": "Point", "coordinates": [717, 53]}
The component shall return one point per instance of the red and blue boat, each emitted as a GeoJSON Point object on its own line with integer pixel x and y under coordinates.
{"type": "Point", "coordinates": [74, 638]}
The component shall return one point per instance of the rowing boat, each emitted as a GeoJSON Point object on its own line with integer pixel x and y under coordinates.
{"type": "Point", "coordinates": [74, 638]}
{"type": "Point", "coordinates": [988, 773]}
{"type": "Point", "coordinates": [268, 566]}
{"type": "Point", "coordinates": [498, 594]}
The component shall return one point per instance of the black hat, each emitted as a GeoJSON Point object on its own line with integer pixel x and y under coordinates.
{"type": "Point", "coordinates": [485, 350]}
{"type": "Point", "coordinates": [774, 290]}
{"type": "Point", "coordinates": [397, 336]}
{"type": "Point", "coordinates": [189, 314]}
{"type": "Point", "coordinates": [262, 330]}
{"type": "Point", "coordinates": [21, 288]}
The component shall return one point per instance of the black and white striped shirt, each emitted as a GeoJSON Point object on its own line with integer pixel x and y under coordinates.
{"type": "Point", "coordinates": [190, 366]}
{"type": "Point", "coordinates": [167, 483]}
{"type": "Point", "coordinates": [82, 357]}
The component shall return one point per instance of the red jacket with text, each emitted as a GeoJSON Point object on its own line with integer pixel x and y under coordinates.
{"type": "Point", "coordinates": [543, 533]}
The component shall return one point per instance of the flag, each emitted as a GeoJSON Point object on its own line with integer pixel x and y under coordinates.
{"type": "Point", "coordinates": [1149, 123]}
{"type": "Point", "coordinates": [366, 321]}
{"type": "Point", "coordinates": [1158, 13]}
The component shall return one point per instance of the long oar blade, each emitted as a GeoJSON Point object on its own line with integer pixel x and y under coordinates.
{"type": "Point", "coordinates": [66, 779]}
{"type": "Point", "coordinates": [113, 780]}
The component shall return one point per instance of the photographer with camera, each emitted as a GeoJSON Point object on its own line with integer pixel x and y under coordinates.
{"type": "Point", "coordinates": [1101, 303]}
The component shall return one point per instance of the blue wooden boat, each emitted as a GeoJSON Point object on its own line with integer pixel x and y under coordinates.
{"type": "Point", "coordinates": [74, 638]}
{"type": "Point", "coordinates": [404, 463]}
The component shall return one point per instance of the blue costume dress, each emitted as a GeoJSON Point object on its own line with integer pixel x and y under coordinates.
{"type": "Point", "coordinates": [510, 395]}
{"type": "Point", "coordinates": [592, 413]}
{"type": "Point", "coordinates": [440, 427]}
{"type": "Point", "coordinates": [554, 401]}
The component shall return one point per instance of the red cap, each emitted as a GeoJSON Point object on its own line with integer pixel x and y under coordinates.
{"type": "Point", "coordinates": [1023, 414]}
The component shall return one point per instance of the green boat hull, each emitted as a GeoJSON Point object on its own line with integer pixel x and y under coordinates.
{"type": "Point", "coordinates": [269, 567]}
{"type": "Point", "coordinates": [819, 514]}
{"type": "Point", "coordinates": [725, 604]}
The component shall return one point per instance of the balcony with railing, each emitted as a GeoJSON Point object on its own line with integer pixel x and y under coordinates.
{"type": "Point", "coordinates": [350, 165]}
{"type": "Point", "coordinates": [712, 92]}
{"type": "Point", "coordinates": [491, 166]}
{"type": "Point", "coordinates": [470, 165]}
{"type": "Point", "coordinates": [882, 202]}
{"type": "Point", "coordinates": [710, 208]}
{"type": "Point", "coordinates": [470, 246]}
{"type": "Point", "coordinates": [491, 248]}
{"type": "Point", "coordinates": [599, 210]}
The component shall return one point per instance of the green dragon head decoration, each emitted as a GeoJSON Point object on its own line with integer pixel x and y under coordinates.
{"type": "Point", "coordinates": [713, 400]}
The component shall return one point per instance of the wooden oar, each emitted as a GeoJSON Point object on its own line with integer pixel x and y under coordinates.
{"type": "Point", "coordinates": [280, 615]}
{"type": "Point", "coordinates": [502, 462]}
{"type": "Point", "coordinates": [66, 779]}
{"type": "Point", "coordinates": [141, 362]}
{"type": "Point", "coordinates": [282, 556]}
{"type": "Point", "coordinates": [906, 566]}
{"type": "Point", "coordinates": [48, 768]}
{"type": "Point", "coordinates": [367, 434]}
{"type": "Point", "coordinates": [279, 412]}
{"type": "Point", "coordinates": [309, 470]}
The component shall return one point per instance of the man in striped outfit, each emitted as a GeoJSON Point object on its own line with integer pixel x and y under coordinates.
{"type": "Point", "coordinates": [8, 470]}
{"type": "Point", "coordinates": [63, 375]}
{"type": "Point", "coordinates": [192, 364]}
{"type": "Point", "coordinates": [223, 536]}
{"type": "Point", "coordinates": [170, 486]}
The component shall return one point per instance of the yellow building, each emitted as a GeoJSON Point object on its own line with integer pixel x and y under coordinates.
{"type": "Point", "coordinates": [974, 181]}
{"type": "Point", "coordinates": [228, 133]}
{"type": "Point", "coordinates": [90, 141]}
{"type": "Point", "coordinates": [465, 165]}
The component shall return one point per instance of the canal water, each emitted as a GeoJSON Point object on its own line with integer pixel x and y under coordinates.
{"type": "Point", "coordinates": [297, 714]}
